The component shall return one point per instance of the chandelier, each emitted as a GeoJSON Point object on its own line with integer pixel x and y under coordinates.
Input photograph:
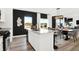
{"type": "Point", "coordinates": [58, 16]}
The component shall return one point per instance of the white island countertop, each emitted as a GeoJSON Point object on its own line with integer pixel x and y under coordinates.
{"type": "Point", "coordinates": [42, 31]}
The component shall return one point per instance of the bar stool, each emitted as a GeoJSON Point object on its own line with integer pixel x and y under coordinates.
{"type": "Point", "coordinates": [55, 35]}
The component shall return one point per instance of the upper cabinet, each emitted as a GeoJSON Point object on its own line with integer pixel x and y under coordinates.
{"type": "Point", "coordinates": [2, 14]}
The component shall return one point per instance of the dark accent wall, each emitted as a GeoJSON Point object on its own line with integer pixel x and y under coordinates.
{"type": "Point", "coordinates": [19, 13]}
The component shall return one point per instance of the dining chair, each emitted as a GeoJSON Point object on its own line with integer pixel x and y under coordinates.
{"type": "Point", "coordinates": [74, 34]}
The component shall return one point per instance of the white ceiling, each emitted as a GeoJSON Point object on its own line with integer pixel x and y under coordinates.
{"type": "Point", "coordinates": [41, 10]}
{"type": "Point", "coordinates": [63, 11]}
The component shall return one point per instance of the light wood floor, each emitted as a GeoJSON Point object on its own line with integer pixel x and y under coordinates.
{"type": "Point", "coordinates": [20, 44]}
{"type": "Point", "coordinates": [68, 46]}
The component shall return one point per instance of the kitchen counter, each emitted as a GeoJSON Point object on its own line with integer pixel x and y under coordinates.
{"type": "Point", "coordinates": [4, 29]}
{"type": "Point", "coordinates": [42, 32]}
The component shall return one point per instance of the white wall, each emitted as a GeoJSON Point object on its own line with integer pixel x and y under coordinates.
{"type": "Point", "coordinates": [7, 17]}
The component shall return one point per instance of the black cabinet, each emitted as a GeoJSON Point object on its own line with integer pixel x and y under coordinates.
{"type": "Point", "coordinates": [43, 15]}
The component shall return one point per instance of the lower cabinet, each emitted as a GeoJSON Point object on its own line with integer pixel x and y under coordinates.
{"type": "Point", "coordinates": [41, 41]}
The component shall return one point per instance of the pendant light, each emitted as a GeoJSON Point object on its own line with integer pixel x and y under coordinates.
{"type": "Point", "coordinates": [58, 16]}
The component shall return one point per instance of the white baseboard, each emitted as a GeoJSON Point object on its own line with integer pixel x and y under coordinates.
{"type": "Point", "coordinates": [19, 36]}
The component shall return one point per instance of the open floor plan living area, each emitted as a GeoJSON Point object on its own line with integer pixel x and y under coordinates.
{"type": "Point", "coordinates": [39, 29]}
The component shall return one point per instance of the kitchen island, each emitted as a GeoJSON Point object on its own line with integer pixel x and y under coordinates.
{"type": "Point", "coordinates": [41, 41]}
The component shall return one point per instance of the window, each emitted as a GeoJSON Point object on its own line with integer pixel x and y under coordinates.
{"type": "Point", "coordinates": [27, 22]}
{"type": "Point", "coordinates": [59, 22]}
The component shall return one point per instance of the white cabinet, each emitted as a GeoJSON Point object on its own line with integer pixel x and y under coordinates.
{"type": "Point", "coordinates": [34, 40]}
{"type": "Point", "coordinates": [1, 43]}
{"type": "Point", "coordinates": [41, 41]}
